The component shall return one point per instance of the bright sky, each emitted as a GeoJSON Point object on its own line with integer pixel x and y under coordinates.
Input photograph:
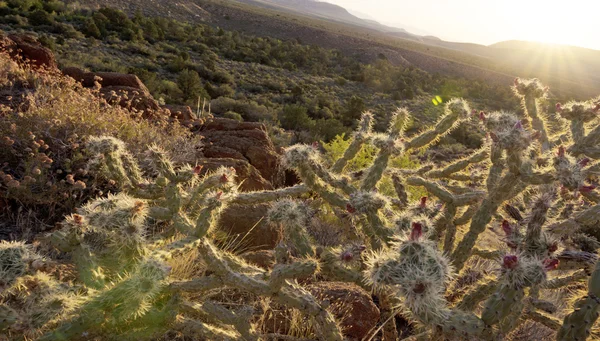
{"type": "Point", "coordinates": [572, 22]}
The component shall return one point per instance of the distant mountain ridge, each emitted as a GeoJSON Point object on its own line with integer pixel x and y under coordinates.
{"type": "Point", "coordinates": [326, 10]}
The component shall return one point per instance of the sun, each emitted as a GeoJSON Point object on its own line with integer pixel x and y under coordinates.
{"type": "Point", "coordinates": [555, 22]}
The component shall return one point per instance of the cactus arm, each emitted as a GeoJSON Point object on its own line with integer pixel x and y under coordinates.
{"type": "Point", "coordinates": [375, 172]}
{"type": "Point", "coordinates": [575, 260]}
{"type": "Point", "coordinates": [204, 331]}
{"type": "Point", "coordinates": [400, 190]}
{"type": "Point", "coordinates": [542, 318]}
{"type": "Point", "coordinates": [487, 254]}
{"type": "Point", "coordinates": [587, 217]}
{"type": "Point", "coordinates": [432, 187]}
{"type": "Point", "coordinates": [360, 137]}
{"type": "Point", "coordinates": [248, 198]}
{"type": "Point", "coordinates": [496, 169]}
{"type": "Point", "coordinates": [508, 185]}
{"type": "Point", "coordinates": [560, 282]}
{"type": "Point", "coordinates": [313, 182]}
{"type": "Point", "coordinates": [349, 153]}
{"type": "Point", "coordinates": [458, 165]}
{"type": "Point", "coordinates": [467, 215]}
{"type": "Point", "coordinates": [480, 292]}
{"type": "Point", "coordinates": [577, 325]}
{"type": "Point", "coordinates": [506, 302]}
{"type": "Point", "coordinates": [217, 314]}
{"type": "Point", "coordinates": [454, 111]}
{"type": "Point", "coordinates": [198, 285]}
{"type": "Point", "coordinates": [282, 272]}
{"type": "Point", "coordinates": [534, 226]}
{"type": "Point", "coordinates": [538, 123]}
{"type": "Point", "coordinates": [592, 196]}
{"type": "Point", "coordinates": [293, 296]}
{"type": "Point", "coordinates": [449, 215]}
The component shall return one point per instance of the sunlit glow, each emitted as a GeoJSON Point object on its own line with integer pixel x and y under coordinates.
{"type": "Point", "coordinates": [573, 22]}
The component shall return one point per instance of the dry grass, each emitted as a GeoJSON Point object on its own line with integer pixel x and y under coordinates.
{"type": "Point", "coordinates": [45, 120]}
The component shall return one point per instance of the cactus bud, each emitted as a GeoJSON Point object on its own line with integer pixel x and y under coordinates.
{"type": "Point", "coordinates": [584, 162]}
{"type": "Point", "coordinates": [198, 169]}
{"type": "Point", "coordinates": [518, 125]}
{"type": "Point", "coordinates": [561, 151]}
{"type": "Point", "coordinates": [482, 115]}
{"type": "Point", "coordinates": [350, 208]}
{"type": "Point", "coordinates": [552, 247]}
{"type": "Point", "coordinates": [558, 107]}
{"type": "Point", "coordinates": [423, 202]}
{"type": "Point", "coordinates": [346, 256]}
{"type": "Point", "coordinates": [587, 189]}
{"type": "Point", "coordinates": [78, 219]}
{"type": "Point", "coordinates": [550, 264]}
{"type": "Point", "coordinates": [510, 261]}
{"type": "Point", "coordinates": [506, 228]}
{"type": "Point", "coordinates": [224, 178]}
{"type": "Point", "coordinates": [417, 231]}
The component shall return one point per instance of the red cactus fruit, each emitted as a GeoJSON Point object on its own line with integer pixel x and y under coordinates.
{"type": "Point", "coordinates": [346, 256]}
{"type": "Point", "coordinates": [423, 202]}
{"type": "Point", "coordinates": [587, 189]}
{"type": "Point", "coordinates": [417, 231]}
{"type": "Point", "coordinates": [584, 162]}
{"type": "Point", "coordinates": [506, 228]}
{"type": "Point", "coordinates": [350, 208]}
{"type": "Point", "coordinates": [197, 169]}
{"type": "Point", "coordinates": [510, 261]}
{"type": "Point", "coordinates": [550, 264]}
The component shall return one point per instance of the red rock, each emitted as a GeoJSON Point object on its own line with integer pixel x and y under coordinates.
{"type": "Point", "coordinates": [247, 175]}
{"type": "Point", "coordinates": [241, 140]}
{"type": "Point", "coordinates": [27, 48]}
{"type": "Point", "coordinates": [248, 224]}
{"type": "Point", "coordinates": [351, 305]}
{"type": "Point", "coordinates": [106, 79]}
{"type": "Point", "coordinates": [262, 258]}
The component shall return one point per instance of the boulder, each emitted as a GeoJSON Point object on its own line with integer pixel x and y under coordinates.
{"type": "Point", "coordinates": [106, 79]}
{"type": "Point", "coordinates": [241, 140]}
{"type": "Point", "coordinates": [26, 48]}
{"type": "Point", "coordinates": [248, 224]}
{"type": "Point", "coordinates": [351, 305]}
{"type": "Point", "coordinates": [248, 177]}
{"type": "Point", "coordinates": [262, 258]}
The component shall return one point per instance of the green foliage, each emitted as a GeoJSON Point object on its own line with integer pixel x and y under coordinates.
{"type": "Point", "coordinates": [190, 84]}
{"type": "Point", "coordinates": [295, 117]}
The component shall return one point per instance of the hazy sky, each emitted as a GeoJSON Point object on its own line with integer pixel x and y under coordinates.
{"type": "Point", "coordinates": [573, 22]}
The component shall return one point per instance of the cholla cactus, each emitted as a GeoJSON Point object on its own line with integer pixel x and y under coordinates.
{"type": "Point", "coordinates": [520, 167]}
{"type": "Point", "coordinates": [409, 254]}
{"type": "Point", "coordinates": [15, 260]}
{"type": "Point", "coordinates": [125, 269]}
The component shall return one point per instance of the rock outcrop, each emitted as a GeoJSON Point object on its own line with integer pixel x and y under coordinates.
{"type": "Point", "coordinates": [248, 141]}
{"type": "Point", "coordinates": [25, 48]}
{"type": "Point", "coordinates": [247, 224]}
{"type": "Point", "coordinates": [351, 305]}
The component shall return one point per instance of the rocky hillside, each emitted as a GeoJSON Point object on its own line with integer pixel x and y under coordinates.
{"type": "Point", "coordinates": [432, 55]}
